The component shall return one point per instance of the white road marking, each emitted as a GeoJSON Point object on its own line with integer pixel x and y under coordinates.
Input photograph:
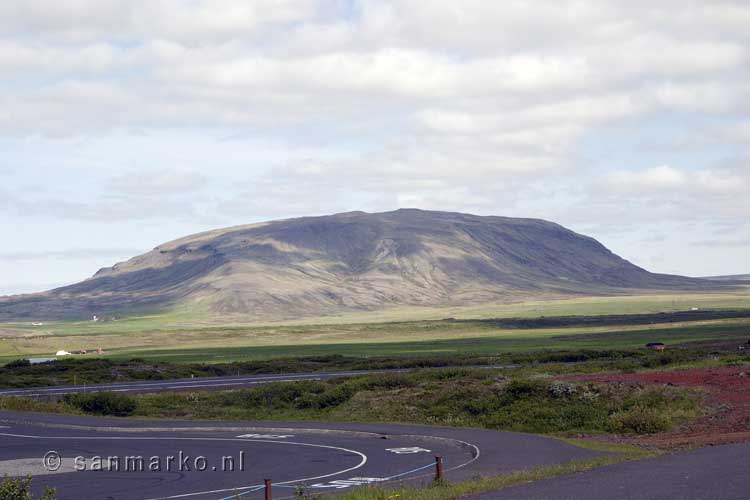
{"type": "Point", "coordinates": [340, 484]}
{"type": "Point", "coordinates": [407, 451]}
{"type": "Point", "coordinates": [266, 436]}
{"type": "Point", "coordinates": [476, 456]}
{"type": "Point", "coordinates": [360, 481]}
{"type": "Point", "coordinates": [235, 488]}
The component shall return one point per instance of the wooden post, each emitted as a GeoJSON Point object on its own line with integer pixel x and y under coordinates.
{"type": "Point", "coordinates": [438, 468]}
{"type": "Point", "coordinates": [268, 489]}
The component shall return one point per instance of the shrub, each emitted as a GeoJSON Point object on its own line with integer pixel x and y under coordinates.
{"type": "Point", "coordinates": [562, 389]}
{"type": "Point", "coordinates": [279, 395]}
{"type": "Point", "coordinates": [525, 389]}
{"type": "Point", "coordinates": [18, 363]}
{"type": "Point", "coordinates": [20, 489]}
{"type": "Point", "coordinates": [640, 420]}
{"type": "Point", "coordinates": [335, 397]}
{"type": "Point", "coordinates": [103, 403]}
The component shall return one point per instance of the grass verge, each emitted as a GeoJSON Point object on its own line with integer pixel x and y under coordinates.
{"type": "Point", "coordinates": [614, 454]}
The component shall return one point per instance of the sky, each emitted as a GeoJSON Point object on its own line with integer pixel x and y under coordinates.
{"type": "Point", "coordinates": [128, 123]}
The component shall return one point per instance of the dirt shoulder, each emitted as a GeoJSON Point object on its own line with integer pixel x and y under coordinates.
{"type": "Point", "coordinates": [726, 404]}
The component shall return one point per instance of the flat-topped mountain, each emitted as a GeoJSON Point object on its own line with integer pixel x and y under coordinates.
{"type": "Point", "coordinates": [352, 261]}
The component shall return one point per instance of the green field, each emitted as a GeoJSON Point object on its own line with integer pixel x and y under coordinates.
{"type": "Point", "coordinates": [185, 337]}
{"type": "Point", "coordinates": [522, 341]}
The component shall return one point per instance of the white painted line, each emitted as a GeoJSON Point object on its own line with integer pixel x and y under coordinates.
{"type": "Point", "coordinates": [476, 457]}
{"type": "Point", "coordinates": [407, 451]}
{"type": "Point", "coordinates": [235, 488]}
{"type": "Point", "coordinates": [359, 481]}
{"type": "Point", "coordinates": [265, 436]}
{"type": "Point", "coordinates": [340, 484]}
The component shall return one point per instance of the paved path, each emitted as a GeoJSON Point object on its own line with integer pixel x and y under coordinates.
{"type": "Point", "coordinates": [714, 473]}
{"type": "Point", "coordinates": [332, 457]}
{"type": "Point", "coordinates": [199, 383]}
{"type": "Point", "coordinates": [202, 383]}
{"type": "Point", "coordinates": [323, 457]}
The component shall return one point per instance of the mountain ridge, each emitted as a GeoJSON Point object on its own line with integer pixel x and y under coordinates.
{"type": "Point", "coordinates": [352, 261]}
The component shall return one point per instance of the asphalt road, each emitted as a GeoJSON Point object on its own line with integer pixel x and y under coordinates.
{"type": "Point", "coordinates": [198, 383]}
{"type": "Point", "coordinates": [713, 473]}
{"type": "Point", "coordinates": [321, 457]}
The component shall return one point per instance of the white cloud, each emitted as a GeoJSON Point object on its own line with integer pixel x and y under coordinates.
{"type": "Point", "coordinates": [73, 253]}
{"type": "Point", "coordinates": [653, 179]}
{"type": "Point", "coordinates": [701, 97]}
{"type": "Point", "coordinates": [247, 64]}
{"type": "Point", "coordinates": [524, 108]}
{"type": "Point", "coordinates": [32, 60]}
{"type": "Point", "coordinates": [667, 180]}
{"type": "Point", "coordinates": [161, 182]}
{"type": "Point", "coordinates": [196, 20]}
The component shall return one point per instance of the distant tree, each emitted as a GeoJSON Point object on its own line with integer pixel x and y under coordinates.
{"type": "Point", "coordinates": [20, 489]}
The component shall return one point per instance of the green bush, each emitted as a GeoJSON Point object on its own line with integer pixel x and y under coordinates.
{"type": "Point", "coordinates": [18, 363]}
{"type": "Point", "coordinates": [277, 395]}
{"type": "Point", "coordinates": [103, 403]}
{"type": "Point", "coordinates": [20, 489]}
{"type": "Point", "coordinates": [640, 420]}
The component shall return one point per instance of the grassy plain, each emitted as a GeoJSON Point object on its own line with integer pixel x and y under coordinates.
{"type": "Point", "coordinates": [185, 336]}
{"type": "Point", "coordinates": [193, 318]}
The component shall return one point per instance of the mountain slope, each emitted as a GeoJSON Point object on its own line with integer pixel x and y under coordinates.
{"type": "Point", "coordinates": [352, 261]}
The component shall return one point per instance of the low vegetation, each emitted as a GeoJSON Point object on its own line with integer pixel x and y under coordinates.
{"type": "Point", "coordinates": [102, 403]}
{"type": "Point", "coordinates": [20, 489]}
{"type": "Point", "coordinates": [477, 398]}
{"type": "Point", "coordinates": [456, 397]}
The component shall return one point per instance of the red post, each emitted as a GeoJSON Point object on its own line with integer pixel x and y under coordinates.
{"type": "Point", "coordinates": [268, 489]}
{"type": "Point", "coordinates": [438, 468]}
